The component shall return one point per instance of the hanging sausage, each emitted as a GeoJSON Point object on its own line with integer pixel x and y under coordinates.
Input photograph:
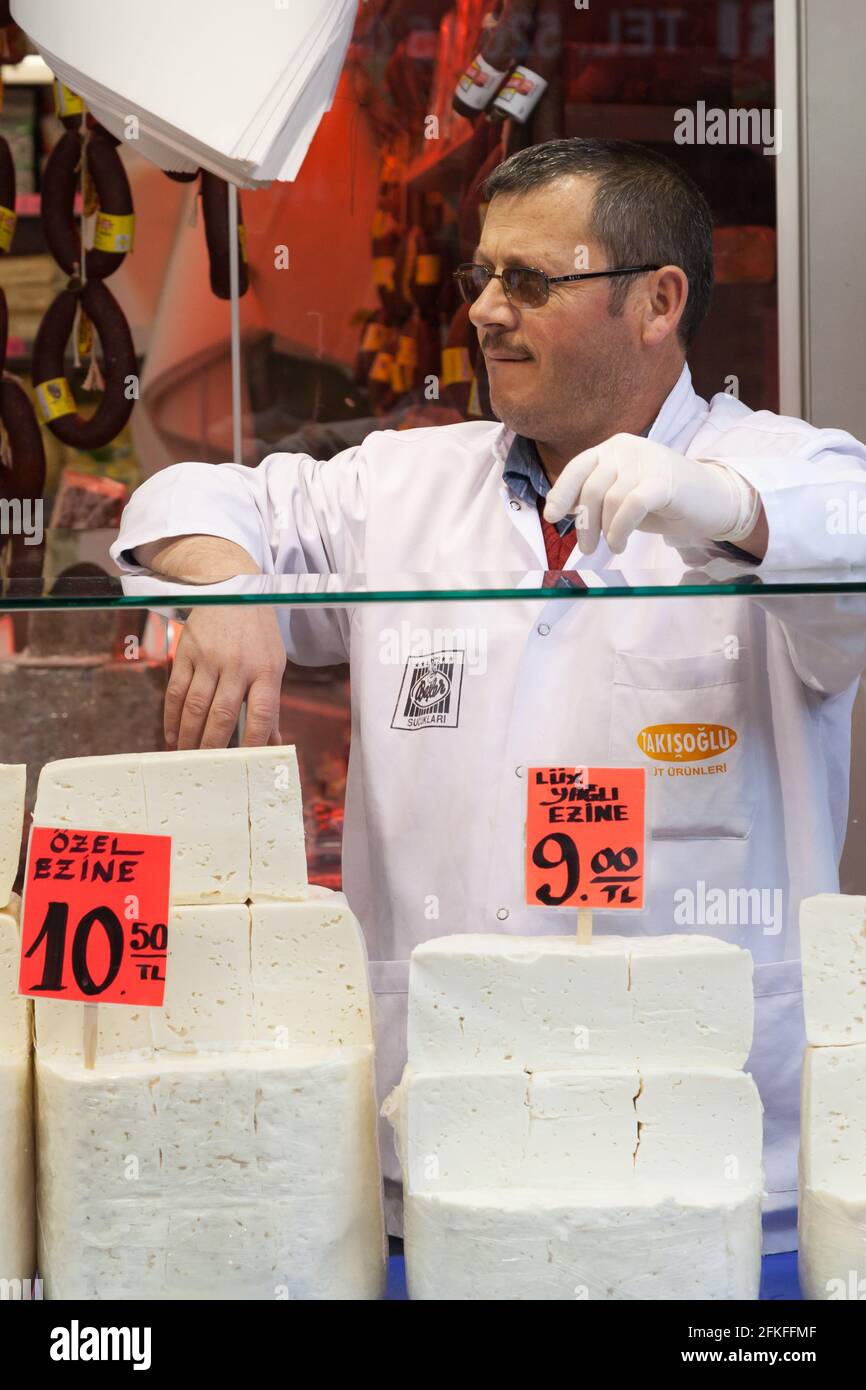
{"type": "Point", "coordinates": [7, 196]}
{"type": "Point", "coordinates": [54, 394]}
{"type": "Point", "coordinates": [115, 220]}
{"type": "Point", "coordinates": [215, 208]}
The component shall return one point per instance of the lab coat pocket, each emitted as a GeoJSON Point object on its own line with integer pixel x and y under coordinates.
{"type": "Point", "coordinates": [685, 719]}
{"type": "Point", "coordinates": [389, 980]}
{"type": "Point", "coordinates": [776, 1062]}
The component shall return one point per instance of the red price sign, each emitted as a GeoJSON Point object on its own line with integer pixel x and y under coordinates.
{"type": "Point", "coordinates": [94, 925]}
{"type": "Point", "coordinates": [585, 842]}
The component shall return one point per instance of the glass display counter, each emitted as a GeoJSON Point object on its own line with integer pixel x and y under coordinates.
{"type": "Point", "coordinates": [422, 708]}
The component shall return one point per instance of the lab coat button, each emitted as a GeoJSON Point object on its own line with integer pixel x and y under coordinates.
{"type": "Point", "coordinates": [543, 629]}
{"type": "Point", "coordinates": [514, 505]}
{"type": "Point", "coordinates": [502, 913]}
{"type": "Point", "coordinates": [518, 771]}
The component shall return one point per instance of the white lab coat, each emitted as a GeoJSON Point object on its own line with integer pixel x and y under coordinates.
{"type": "Point", "coordinates": [435, 812]}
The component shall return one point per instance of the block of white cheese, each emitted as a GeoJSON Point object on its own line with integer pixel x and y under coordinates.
{"type": "Point", "coordinates": [674, 1130]}
{"type": "Point", "coordinates": [833, 951]}
{"type": "Point", "coordinates": [487, 1002]}
{"type": "Point", "coordinates": [17, 1167]}
{"type": "Point", "coordinates": [13, 778]}
{"type": "Point", "coordinates": [278, 863]}
{"type": "Point", "coordinates": [832, 1245]}
{"type": "Point", "coordinates": [17, 1156]}
{"type": "Point", "coordinates": [202, 803]}
{"type": "Point", "coordinates": [309, 972]}
{"type": "Point", "coordinates": [16, 1010]}
{"type": "Point", "coordinates": [832, 1218]}
{"type": "Point", "coordinates": [238, 975]}
{"type": "Point", "coordinates": [833, 1120]}
{"type": "Point", "coordinates": [234, 815]}
{"type": "Point", "coordinates": [583, 1246]}
{"type": "Point", "coordinates": [237, 1176]}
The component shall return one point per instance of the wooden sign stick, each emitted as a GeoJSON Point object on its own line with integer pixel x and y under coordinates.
{"type": "Point", "coordinates": [91, 1034]}
{"type": "Point", "coordinates": [584, 926]}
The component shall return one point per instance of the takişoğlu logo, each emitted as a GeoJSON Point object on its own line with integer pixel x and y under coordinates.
{"type": "Point", "coordinates": [674, 743]}
{"type": "Point", "coordinates": [739, 125]}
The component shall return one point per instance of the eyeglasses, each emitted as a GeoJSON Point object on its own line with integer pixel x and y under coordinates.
{"type": "Point", "coordinates": [526, 286]}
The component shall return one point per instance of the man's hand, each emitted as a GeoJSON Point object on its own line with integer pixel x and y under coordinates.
{"type": "Point", "coordinates": [225, 656]}
{"type": "Point", "coordinates": [629, 483]}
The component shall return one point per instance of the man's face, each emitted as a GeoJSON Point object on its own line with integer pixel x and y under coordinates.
{"type": "Point", "coordinates": [557, 373]}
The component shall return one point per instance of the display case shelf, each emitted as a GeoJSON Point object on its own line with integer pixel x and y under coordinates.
{"type": "Point", "coordinates": [718, 579]}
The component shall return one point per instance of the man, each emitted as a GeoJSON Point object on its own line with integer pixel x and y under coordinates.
{"type": "Point", "coordinates": [588, 377]}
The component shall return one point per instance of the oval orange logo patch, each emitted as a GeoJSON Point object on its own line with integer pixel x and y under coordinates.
{"type": "Point", "coordinates": [686, 743]}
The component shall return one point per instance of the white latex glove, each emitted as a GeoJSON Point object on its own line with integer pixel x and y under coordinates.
{"type": "Point", "coordinates": [629, 483]}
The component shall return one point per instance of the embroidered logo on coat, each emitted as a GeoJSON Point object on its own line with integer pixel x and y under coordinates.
{"type": "Point", "coordinates": [430, 691]}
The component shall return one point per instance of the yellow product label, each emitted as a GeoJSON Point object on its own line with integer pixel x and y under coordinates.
{"type": "Point", "coordinates": [375, 336]}
{"type": "Point", "coordinates": [55, 398]}
{"type": "Point", "coordinates": [8, 218]}
{"type": "Point", "coordinates": [456, 365]}
{"type": "Point", "coordinates": [85, 335]}
{"type": "Point", "coordinates": [407, 351]}
{"type": "Point", "coordinates": [428, 269]}
{"type": "Point", "coordinates": [114, 232]}
{"type": "Point", "coordinates": [686, 743]}
{"type": "Point", "coordinates": [474, 405]}
{"type": "Point", "coordinates": [383, 271]}
{"type": "Point", "coordinates": [242, 238]}
{"type": "Point", "coordinates": [66, 102]}
{"type": "Point", "coordinates": [382, 366]}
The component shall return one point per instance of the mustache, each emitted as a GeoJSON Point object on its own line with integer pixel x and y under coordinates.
{"type": "Point", "coordinates": [489, 344]}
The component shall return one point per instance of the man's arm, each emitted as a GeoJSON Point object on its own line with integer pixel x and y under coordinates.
{"type": "Point", "coordinates": [195, 559]}
{"type": "Point", "coordinates": [290, 514]}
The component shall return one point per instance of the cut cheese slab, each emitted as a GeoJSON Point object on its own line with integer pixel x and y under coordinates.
{"type": "Point", "coordinates": [832, 1254]}
{"type": "Point", "coordinates": [237, 976]}
{"type": "Point", "coordinates": [699, 1129]}
{"type": "Point", "coordinates": [677, 1131]}
{"type": "Point", "coordinates": [16, 1010]}
{"type": "Point", "coordinates": [309, 972]}
{"type": "Point", "coordinates": [13, 780]}
{"type": "Point", "coordinates": [17, 1159]}
{"type": "Point", "coordinates": [92, 794]}
{"type": "Point", "coordinates": [833, 1120]}
{"type": "Point", "coordinates": [833, 950]}
{"type": "Point", "coordinates": [238, 1176]}
{"type": "Point", "coordinates": [278, 864]}
{"type": "Point", "coordinates": [543, 1003]}
{"type": "Point", "coordinates": [234, 815]}
{"type": "Point", "coordinates": [17, 1168]}
{"type": "Point", "coordinates": [201, 802]}
{"type": "Point", "coordinates": [518, 1245]}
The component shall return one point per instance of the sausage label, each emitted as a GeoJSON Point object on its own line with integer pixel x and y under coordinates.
{"type": "Point", "coordinates": [456, 365]}
{"type": "Point", "coordinates": [428, 269]}
{"type": "Point", "coordinates": [8, 218]}
{"type": "Point", "coordinates": [114, 232]}
{"type": "Point", "coordinates": [383, 271]}
{"type": "Point", "coordinates": [66, 102]}
{"type": "Point", "coordinates": [242, 238]}
{"type": "Point", "coordinates": [55, 398]}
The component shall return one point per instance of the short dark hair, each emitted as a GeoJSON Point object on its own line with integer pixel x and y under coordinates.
{"type": "Point", "coordinates": [646, 210]}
